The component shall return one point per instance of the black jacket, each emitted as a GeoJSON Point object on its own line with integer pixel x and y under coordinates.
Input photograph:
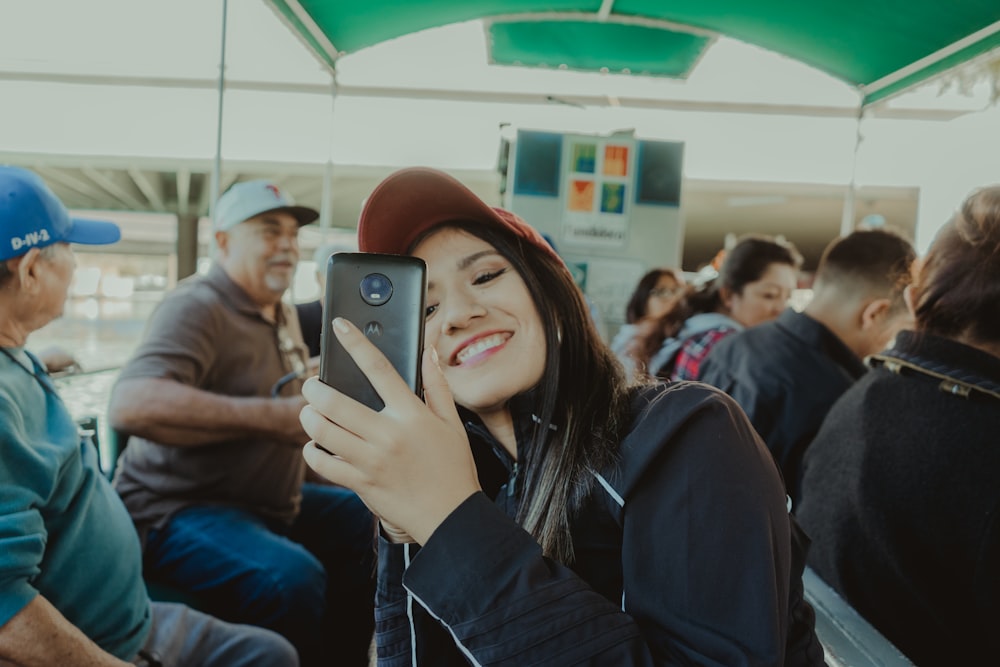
{"type": "Point", "coordinates": [901, 495]}
{"type": "Point", "coordinates": [311, 322]}
{"type": "Point", "coordinates": [785, 374]}
{"type": "Point", "coordinates": [682, 557]}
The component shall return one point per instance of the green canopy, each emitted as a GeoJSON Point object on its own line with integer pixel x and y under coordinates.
{"type": "Point", "coordinates": [879, 46]}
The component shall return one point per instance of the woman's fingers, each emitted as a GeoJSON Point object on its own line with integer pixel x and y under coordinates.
{"type": "Point", "coordinates": [336, 406]}
{"type": "Point", "coordinates": [331, 436]}
{"type": "Point", "coordinates": [332, 467]}
{"type": "Point", "coordinates": [437, 393]}
{"type": "Point", "coordinates": [386, 381]}
{"type": "Point", "coordinates": [411, 462]}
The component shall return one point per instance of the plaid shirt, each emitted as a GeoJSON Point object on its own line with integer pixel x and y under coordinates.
{"type": "Point", "coordinates": [694, 350]}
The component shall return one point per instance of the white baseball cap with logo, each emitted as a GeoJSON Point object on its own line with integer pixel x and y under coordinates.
{"type": "Point", "coordinates": [249, 199]}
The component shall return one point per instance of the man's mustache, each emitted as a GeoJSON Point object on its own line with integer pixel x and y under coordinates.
{"type": "Point", "coordinates": [283, 259]}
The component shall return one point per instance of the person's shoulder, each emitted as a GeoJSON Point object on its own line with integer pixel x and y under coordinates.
{"type": "Point", "coordinates": [759, 346]}
{"type": "Point", "coordinates": [196, 289]}
{"type": "Point", "coordinates": [9, 404]}
{"type": "Point", "coordinates": [727, 342]}
{"type": "Point", "coordinates": [14, 378]}
{"type": "Point", "coordinates": [708, 337]}
{"type": "Point", "coordinates": [686, 419]}
{"type": "Point", "coordinates": [194, 298]}
{"type": "Point", "coordinates": [756, 335]}
{"type": "Point", "coordinates": [16, 390]}
{"type": "Point", "coordinates": [664, 408]}
{"type": "Point", "coordinates": [309, 308]}
{"type": "Point", "coordinates": [192, 315]}
{"type": "Point", "coordinates": [622, 337]}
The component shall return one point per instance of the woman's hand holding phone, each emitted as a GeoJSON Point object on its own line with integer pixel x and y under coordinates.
{"type": "Point", "coordinates": [409, 462]}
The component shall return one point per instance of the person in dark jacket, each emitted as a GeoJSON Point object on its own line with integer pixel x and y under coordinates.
{"type": "Point", "coordinates": [900, 490]}
{"type": "Point", "coordinates": [556, 515]}
{"type": "Point", "coordinates": [310, 313]}
{"type": "Point", "coordinates": [786, 374]}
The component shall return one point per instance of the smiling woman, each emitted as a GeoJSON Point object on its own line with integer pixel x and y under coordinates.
{"type": "Point", "coordinates": [469, 281]}
{"type": "Point", "coordinates": [625, 524]}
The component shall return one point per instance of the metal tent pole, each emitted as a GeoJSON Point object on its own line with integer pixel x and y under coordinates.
{"type": "Point", "coordinates": [326, 203]}
{"type": "Point", "coordinates": [847, 218]}
{"type": "Point", "coordinates": [217, 162]}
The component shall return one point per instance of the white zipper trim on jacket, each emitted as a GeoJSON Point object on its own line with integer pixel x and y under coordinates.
{"type": "Point", "coordinates": [410, 596]}
{"type": "Point", "coordinates": [466, 652]}
{"type": "Point", "coordinates": [610, 489]}
{"type": "Point", "coordinates": [409, 610]}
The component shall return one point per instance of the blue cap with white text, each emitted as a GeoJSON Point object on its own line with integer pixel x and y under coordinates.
{"type": "Point", "coordinates": [31, 216]}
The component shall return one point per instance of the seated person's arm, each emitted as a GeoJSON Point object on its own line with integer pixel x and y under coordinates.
{"type": "Point", "coordinates": [39, 636]}
{"type": "Point", "coordinates": [173, 413]}
{"type": "Point", "coordinates": [158, 395]}
{"type": "Point", "coordinates": [57, 359]}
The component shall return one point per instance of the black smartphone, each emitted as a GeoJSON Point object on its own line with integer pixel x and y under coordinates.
{"type": "Point", "coordinates": [384, 296]}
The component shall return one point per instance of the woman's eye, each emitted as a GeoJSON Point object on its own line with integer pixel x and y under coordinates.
{"type": "Point", "coordinates": [430, 311]}
{"type": "Point", "coordinates": [486, 277]}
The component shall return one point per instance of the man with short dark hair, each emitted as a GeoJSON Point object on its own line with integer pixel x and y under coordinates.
{"type": "Point", "coordinates": [787, 373]}
{"type": "Point", "coordinates": [213, 475]}
{"type": "Point", "coordinates": [71, 587]}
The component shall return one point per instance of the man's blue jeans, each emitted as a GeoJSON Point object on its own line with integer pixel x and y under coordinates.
{"type": "Point", "coordinates": [311, 581]}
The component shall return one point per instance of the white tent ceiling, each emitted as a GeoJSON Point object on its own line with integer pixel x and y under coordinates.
{"type": "Point", "coordinates": [115, 102]}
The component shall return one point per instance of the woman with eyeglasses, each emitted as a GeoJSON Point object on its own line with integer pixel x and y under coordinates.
{"type": "Point", "coordinates": [657, 294]}
{"type": "Point", "coordinates": [535, 508]}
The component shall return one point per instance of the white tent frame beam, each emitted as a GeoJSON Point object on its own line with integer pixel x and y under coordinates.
{"type": "Point", "coordinates": [489, 97]}
{"type": "Point", "coordinates": [67, 181]}
{"type": "Point", "coordinates": [106, 183]}
{"type": "Point", "coordinates": [152, 193]}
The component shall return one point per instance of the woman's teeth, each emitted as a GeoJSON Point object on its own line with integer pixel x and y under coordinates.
{"type": "Point", "coordinates": [481, 346]}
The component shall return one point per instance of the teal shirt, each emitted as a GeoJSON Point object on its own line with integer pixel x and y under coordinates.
{"type": "Point", "coordinates": [64, 533]}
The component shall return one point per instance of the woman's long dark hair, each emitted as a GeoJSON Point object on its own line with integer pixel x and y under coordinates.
{"type": "Point", "coordinates": [649, 337]}
{"type": "Point", "coordinates": [583, 397]}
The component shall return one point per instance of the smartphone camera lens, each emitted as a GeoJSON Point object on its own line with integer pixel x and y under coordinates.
{"type": "Point", "coordinates": [376, 289]}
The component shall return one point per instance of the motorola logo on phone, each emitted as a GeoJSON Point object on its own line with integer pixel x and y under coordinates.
{"type": "Point", "coordinates": [373, 330]}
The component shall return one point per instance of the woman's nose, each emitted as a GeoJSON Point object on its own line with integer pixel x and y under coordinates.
{"type": "Point", "coordinates": [459, 312]}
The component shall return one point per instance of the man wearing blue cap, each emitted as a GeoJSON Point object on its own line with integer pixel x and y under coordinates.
{"type": "Point", "coordinates": [213, 474]}
{"type": "Point", "coordinates": [62, 528]}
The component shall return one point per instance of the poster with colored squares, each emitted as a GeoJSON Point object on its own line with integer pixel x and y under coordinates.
{"type": "Point", "coordinates": [597, 183]}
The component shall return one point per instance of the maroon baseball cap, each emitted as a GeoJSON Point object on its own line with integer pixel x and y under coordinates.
{"type": "Point", "coordinates": [411, 201]}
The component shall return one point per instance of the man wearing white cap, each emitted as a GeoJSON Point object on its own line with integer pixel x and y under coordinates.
{"type": "Point", "coordinates": [62, 528]}
{"type": "Point", "coordinates": [213, 474]}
